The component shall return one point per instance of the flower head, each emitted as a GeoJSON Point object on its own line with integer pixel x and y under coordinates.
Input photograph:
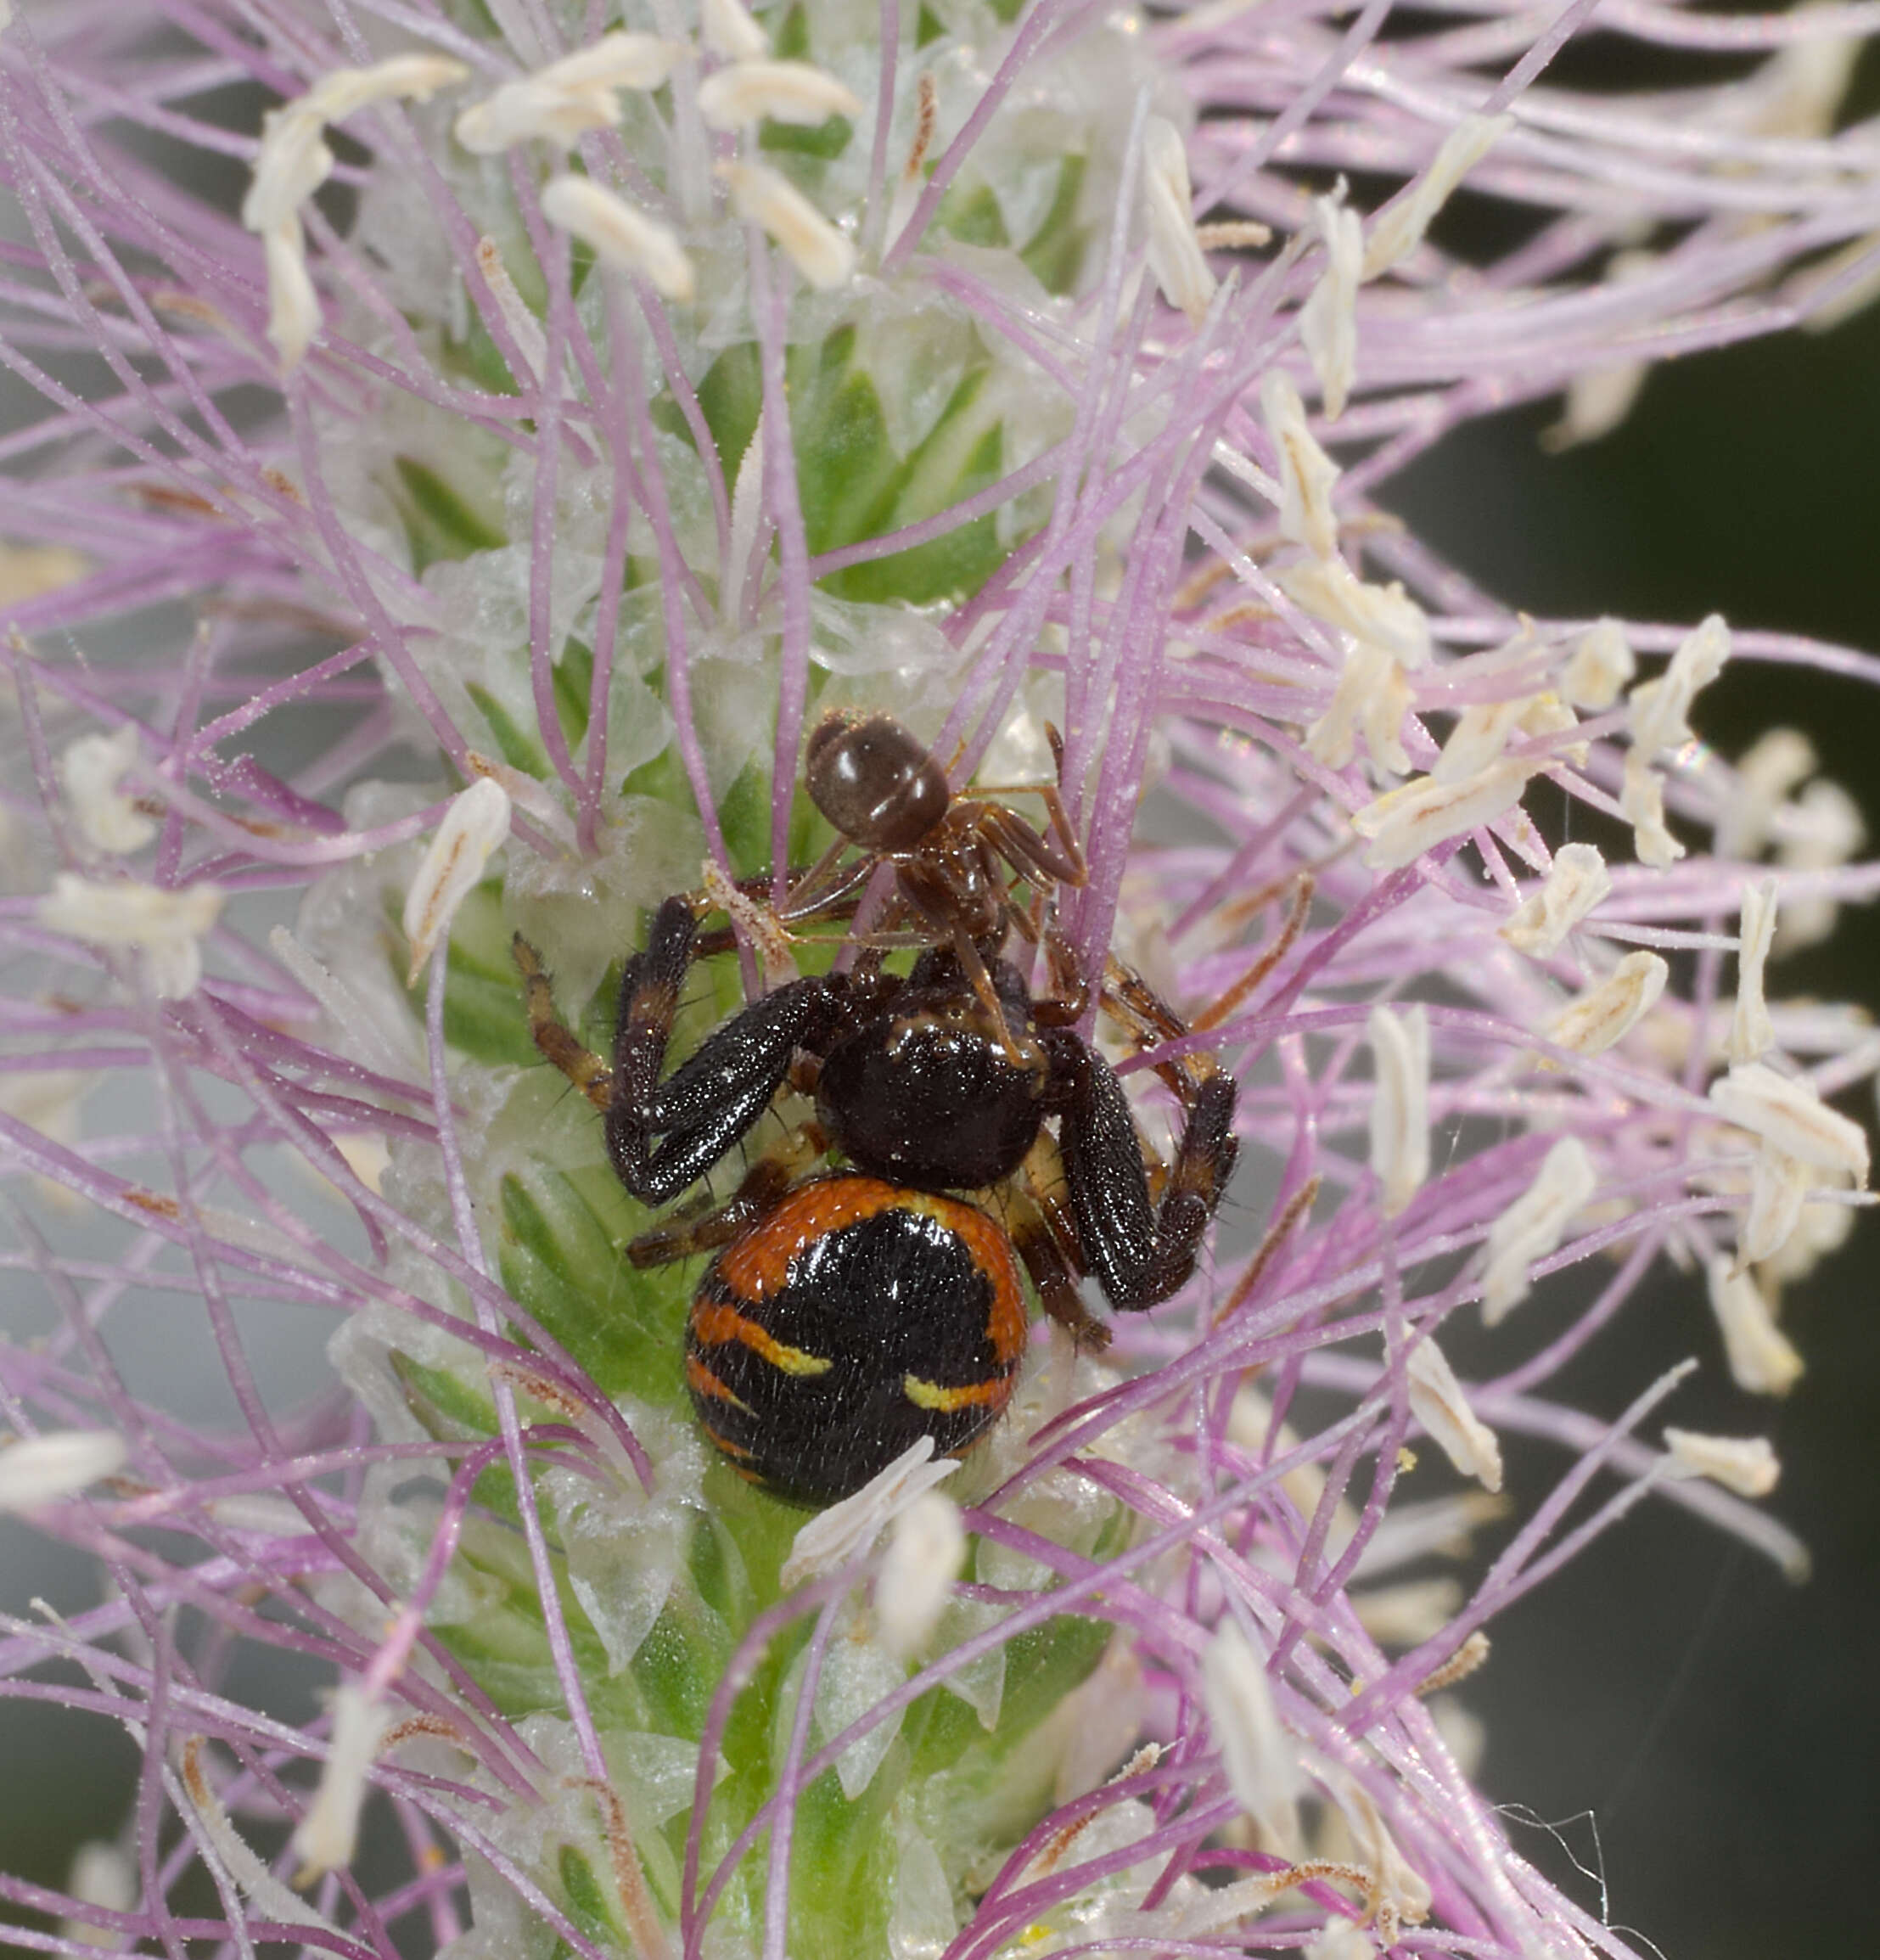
{"type": "Point", "coordinates": [452, 538]}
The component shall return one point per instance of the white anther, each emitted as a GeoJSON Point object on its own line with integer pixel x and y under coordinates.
{"type": "Point", "coordinates": [1790, 1114]}
{"type": "Point", "coordinates": [165, 927]}
{"type": "Point", "coordinates": [1767, 773]}
{"type": "Point", "coordinates": [1752, 1033]}
{"type": "Point", "coordinates": [561, 102]}
{"type": "Point", "coordinates": [1598, 667]}
{"type": "Point", "coordinates": [793, 92]}
{"type": "Point", "coordinates": [1383, 616]}
{"type": "Point", "coordinates": [1409, 1613]}
{"type": "Point", "coordinates": [293, 162]}
{"type": "Point", "coordinates": [89, 772]}
{"type": "Point", "coordinates": [925, 1547]}
{"type": "Point", "coordinates": [42, 1469]}
{"type": "Point", "coordinates": [726, 29]}
{"type": "Point", "coordinates": [1373, 696]}
{"type": "Point", "coordinates": [292, 304]}
{"type": "Point", "coordinates": [328, 1835]}
{"type": "Point", "coordinates": [846, 1531]}
{"type": "Point", "coordinates": [1398, 231]}
{"type": "Point", "coordinates": [1437, 1402]}
{"type": "Point", "coordinates": [824, 255]}
{"type": "Point", "coordinates": [1607, 1011]}
{"type": "Point", "coordinates": [1481, 733]}
{"type": "Point", "coordinates": [1306, 473]}
{"type": "Point", "coordinates": [1328, 321]}
{"type": "Point", "coordinates": [1402, 1891]}
{"type": "Point", "coordinates": [1657, 712]}
{"type": "Point", "coordinates": [1175, 257]}
{"type": "Point", "coordinates": [1260, 1757]}
{"type": "Point", "coordinates": [1404, 824]}
{"type": "Point", "coordinates": [1400, 1104]}
{"type": "Point", "coordinates": [620, 233]}
{"type": "Point", "coordinates": [1744, 1464]}
{"type": "Point", "coordinates": [1576, 882]}
{"type": "Point", "coordinates": [1779, 1185]}
{"type": "Point", "coordinates": [525, 328]}
{"type": "Point", "coordinates": [1822, 828]}
{"type": "Point", "coordinates": [1532, 1227]}
{"type": "Point", "coordinates": [1761, 1360]}
{"type": "Point", "coordinates": [1641, 803]}
{"type": "Point", "coordinates": [101, 1874]}
{"type": "Point", "coordinates": [476, 823]}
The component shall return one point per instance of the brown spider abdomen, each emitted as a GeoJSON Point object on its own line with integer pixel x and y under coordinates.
{"type": "Point", "coordinates": [874, 781]}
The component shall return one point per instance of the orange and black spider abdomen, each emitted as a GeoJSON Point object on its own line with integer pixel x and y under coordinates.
{"type": "Point", "coordinates": [852, 1319]}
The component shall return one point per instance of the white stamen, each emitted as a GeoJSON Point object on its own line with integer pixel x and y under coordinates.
{"type": "Point", "coordinates": [293, 305]}
{"type": "Point", "coordinates": [1328, 321]}
{"type": "Point", "coordinates": [165, 927]}
{"type": "Point", "coordinates": [1767, 773]}
{"type": "Point", "coordinates": [1576, 882]}
{"type": "Point", "coordinates": [846, 1531]}
{"type": "Point", "coordinates": [1175, 257]}
{"type": "Point", "coordinates": [1752, 1033]}
{"type": "Point", "coordinates": [747, 512]}
{"type": "Point", "coordinates": [824, 255]}
{"type": "Point", "coordinates": [475, 824]}
{"type": "Point", "coordinates": [294, 161]}
{"type": "Point", "coordinates": [620, 234]}
{"type": "Point", "coordinates": [1380, 616]}
{"type": "Point", "coordinates": [1779, 1185]}
{"type": "Point", "coordinates": [793, 92]}
{"type": "Point", "coordinates": [1341, 1940]}
{"type": "Point", "coordinates": [329, 1834]}
{"type": "Point", "coordinates": [1306, 473]}
{"type": "Point", "coordinates": [1481, 733]}
{"type": "Point", "coordinates": [42, 1469]}
{"type": "Point", "coordinates": [1761, 1360]}
{"type": "Point", "coordinates": [525, 328]}
{"type": "Point", "coordinates": [1598, 666]}
{"type": "Point", "coordinates": [1597, 400]}
{"type": "Point", "coordinates": [1400, 1104]}
{"type": "Point", "coordinates": [1609, 1011]}
{"type": "Point", "coordinates": [1404, 824]}
{"type": "Point", "coordinates": [1437, 1402]}
{"type": "Point", "coordinates": [270, 1898]}
{"type": "Point", "coordinates": [924, 1550]}
{"type": "Point", "coordinates": [1259, 1757]}
{"type": "Point", "coordinates": [1399, 231]}
{"type": "Point", "coordinates": [1744, 1464]}
{"type": "Point", "coordinates": [89, 769]}
{"type": "Point", "coordinates": [1409, 1613]}
{"type": "Point", "coordinates": [1373, 695]}
{"type": "Point", "coordinates": [726, 29]}
{"type": "Point", "coordinates": [1531, 1229]}
{"type": "Point", "coordinates": [1823, 829]}
{"type": "Point", "coordinates": [1657, 712]}
{"type": "Point", "coordinates": [101, 1874]}
{"type": "Point", "coordinates": [1642, 802]}
{"type": "Point", "coordinates": [559, 103]}
{"type": "Point", "coordinates": [1403, 1893]}
{"type": "Point", "coordinates": [1790, 1114]}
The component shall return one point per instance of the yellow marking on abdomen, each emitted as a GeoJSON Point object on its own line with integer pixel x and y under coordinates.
{"type": "Point", "coordinates": [925, 1394]}
{"type": "Point", "coordinates": [713, 1326]}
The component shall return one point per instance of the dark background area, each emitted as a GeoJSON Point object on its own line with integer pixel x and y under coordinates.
{"type": "Point", "coordinates": [1718, 1727]}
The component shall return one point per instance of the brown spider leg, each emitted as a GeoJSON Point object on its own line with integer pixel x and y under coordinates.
{"type": "Point", "coordinates": [705, 1228]}
{"type": "Point", "coordinates": [1069, 997]}
{"type": "Point", "coordinates": [557, 1043]}
{"type": "Point", "coordinates": [937, 906]}
{"type": "Point", "coordinates": [1045, 1239]}
{"type": "Point", "coordinates": [1052, 795]}
{"type": "Point", "coordinates": [1028, 853]}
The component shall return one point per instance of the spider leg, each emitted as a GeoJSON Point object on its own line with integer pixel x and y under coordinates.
{"type": "Point", "coordinates": [1141, 1248]}
{"type": "Point", "coordinates": [697, 1112]}
{"type": "Point", "coordinates": [1038, 1219]}
{"type": "Point", "coordinates": [707, 1227]}
{"type": "Point", "coordinates": [558, 1043]}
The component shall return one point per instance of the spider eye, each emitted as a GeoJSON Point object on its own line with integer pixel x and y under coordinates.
{"type": "Point", "coordinates": [873, 781]}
